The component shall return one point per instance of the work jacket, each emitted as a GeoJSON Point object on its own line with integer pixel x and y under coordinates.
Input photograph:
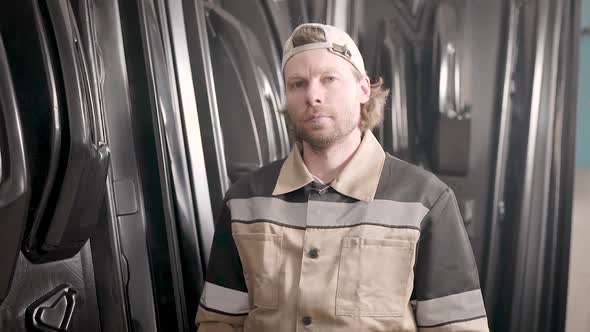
{"type": "Point", "coordinates": [380, 248]}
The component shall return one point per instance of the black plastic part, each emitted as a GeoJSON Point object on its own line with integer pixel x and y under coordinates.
{"type": "Point", "coordinates": [37, 84]}
{"type": "Point", "coordinates": [451, 146]}
{"type": "Point", "coordinates": [238, 53]}
{"type": "Point", "coordinates": [266, 51]}
{"type": "Point", "coordinates": [55, 127]}
{"type": "Point", "coordinates": [452, 125]}
{"type": "Point", "coordinates": [61, 234]}
{"type": "Point", "coordinates": [393, 61]}
{"type": "Point", "coordinates": [53, 311]}
{"type": "Point", "coordinates": [14, 177]}
{"type": "Point", "coordinates": [229, 59]}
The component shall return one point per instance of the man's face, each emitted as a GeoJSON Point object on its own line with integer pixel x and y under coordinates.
{"type": "Point", "coordinates": [323, 97]}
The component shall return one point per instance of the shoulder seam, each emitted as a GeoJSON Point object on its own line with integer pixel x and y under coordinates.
{"type": "Point", "coordinates": [438, 199]}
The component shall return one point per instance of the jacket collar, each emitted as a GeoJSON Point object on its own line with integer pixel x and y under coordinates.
{"type": "Point", "coordinates": [358, 179]}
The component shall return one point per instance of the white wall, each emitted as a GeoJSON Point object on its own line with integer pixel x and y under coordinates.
{"type": "Point", "coordinates": [578, 302]}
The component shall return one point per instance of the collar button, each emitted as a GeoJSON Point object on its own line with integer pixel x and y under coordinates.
{"type": "Point", "coordinates": [306, 321]}
{"type": "Point", "coordinates": [313, 253]}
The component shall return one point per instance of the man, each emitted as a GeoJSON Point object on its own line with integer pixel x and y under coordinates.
{"type": "Point", "coordinates": [339, 236]}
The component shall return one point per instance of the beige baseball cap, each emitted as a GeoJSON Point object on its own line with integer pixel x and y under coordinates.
{"type": "Point", "coordinates": [337, 42]}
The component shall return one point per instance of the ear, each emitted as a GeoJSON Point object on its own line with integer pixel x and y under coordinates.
{"type": "Point", "coordinates": [365, 85]}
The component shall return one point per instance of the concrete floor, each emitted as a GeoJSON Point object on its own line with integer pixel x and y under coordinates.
{"type": "Point", "coordinates": [578, 304]}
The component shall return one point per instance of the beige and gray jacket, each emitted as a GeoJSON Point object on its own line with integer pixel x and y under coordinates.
{"type": "Point", "coordinates": [381, 248]}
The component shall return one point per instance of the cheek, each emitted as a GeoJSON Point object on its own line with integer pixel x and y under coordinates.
{"type": "Point", "coordinates": [343, 92]}
{"type": "Point", "coordinates": [293, 109]}
{"type": "Point", "coordinates": [294, 102]}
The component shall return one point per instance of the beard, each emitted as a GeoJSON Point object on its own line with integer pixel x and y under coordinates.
{"type": "Point", "coordinates": [321, 136]}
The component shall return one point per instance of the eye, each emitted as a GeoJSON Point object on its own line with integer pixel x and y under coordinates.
{"type": "Point", "coordinates": [330, 79]}
{"type": "Point", "coordinates": [296, 84]}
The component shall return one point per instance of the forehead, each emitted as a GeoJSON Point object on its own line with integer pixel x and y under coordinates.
{"type": "Point", "coordinates": [315, 61]}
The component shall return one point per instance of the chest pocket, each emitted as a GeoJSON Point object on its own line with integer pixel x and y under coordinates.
{"type": "Point", "coordinates": [260, 254]}
{"type": "Point", "coordinates": [373, 277]}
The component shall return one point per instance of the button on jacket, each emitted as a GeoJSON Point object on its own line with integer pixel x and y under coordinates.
{"type": "Point", "coordinates": [380, 248]}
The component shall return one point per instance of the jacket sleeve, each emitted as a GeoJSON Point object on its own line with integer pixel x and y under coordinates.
{"type": "Point", "coordinates": [446, 285]}
{"type": "Point", "coordinates": [224, 301]}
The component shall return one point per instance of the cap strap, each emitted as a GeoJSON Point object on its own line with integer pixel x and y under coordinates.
{"type": "Point", "coordinates": [311, 46]}
{"type": "Point", "coordinates": [342, 50]}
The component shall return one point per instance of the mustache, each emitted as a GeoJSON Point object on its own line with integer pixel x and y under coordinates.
{"type": "Point", "coordinates": [309, 113]}
{"type": "Point", "coordinates": [315, 111]}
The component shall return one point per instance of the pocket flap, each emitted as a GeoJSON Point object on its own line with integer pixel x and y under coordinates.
{"type": "Point", "coordinates": [350, 242]}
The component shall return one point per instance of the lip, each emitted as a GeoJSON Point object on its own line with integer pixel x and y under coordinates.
{"type": "Point", "coordinates": [316, 117]}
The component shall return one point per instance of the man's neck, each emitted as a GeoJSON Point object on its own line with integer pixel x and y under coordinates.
{"type": "Point", "coordinates": [327, 163]}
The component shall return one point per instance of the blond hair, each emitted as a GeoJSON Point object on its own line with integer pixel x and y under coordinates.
{"type": "Point", "coordinates": [372, 110]}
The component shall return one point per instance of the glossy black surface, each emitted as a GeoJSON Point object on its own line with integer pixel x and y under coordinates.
{"type": "Point", "coordinates": [15, 185]}
{"type": "Point", "coordinates": [67, 227]}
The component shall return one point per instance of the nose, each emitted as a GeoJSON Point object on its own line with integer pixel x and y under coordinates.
{"type": "Point", "coordinates": [314, 94]}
